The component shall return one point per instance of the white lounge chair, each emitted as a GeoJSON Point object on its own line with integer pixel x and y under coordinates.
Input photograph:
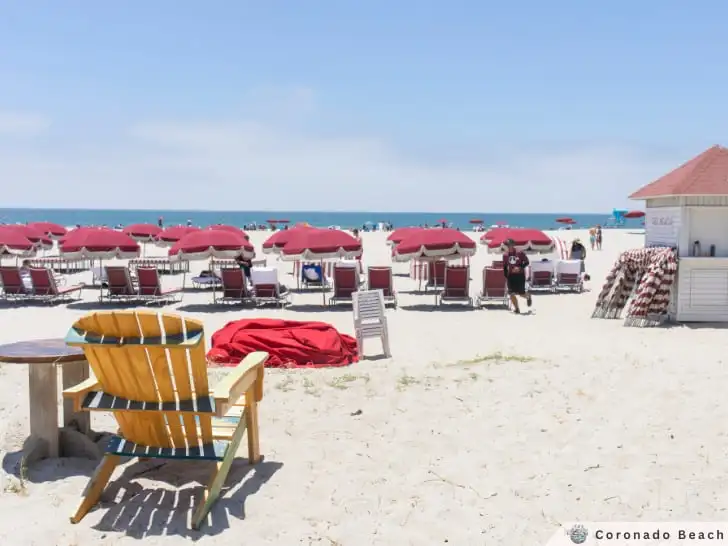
{"type": "Point", "coordinates": [541, 276]}
{"type": "Point", "coordinates": [266, 288]}
{"type": "Point", "coordinates": [569, 276]}
{"type": "Point", "coordinates": [369, 319]}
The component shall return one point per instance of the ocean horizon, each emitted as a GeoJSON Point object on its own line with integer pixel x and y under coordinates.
{"type": "Point", "coordinates": [346, 220]}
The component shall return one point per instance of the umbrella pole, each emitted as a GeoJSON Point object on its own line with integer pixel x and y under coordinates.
{"type": "Point", "coordinates": [323, 281]}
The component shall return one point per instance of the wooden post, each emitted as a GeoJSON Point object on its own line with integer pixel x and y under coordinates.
{"type": "Point", "coordinates": [74, 373]}
{"type": "Point", "coordinates": [43, 382]}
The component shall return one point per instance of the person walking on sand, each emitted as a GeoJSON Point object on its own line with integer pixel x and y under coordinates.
{"type": "Point", "coordinates": [515, 263]}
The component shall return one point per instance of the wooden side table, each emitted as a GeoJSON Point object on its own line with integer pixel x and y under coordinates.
{"type": "Point", "coordinates": [42, 356]}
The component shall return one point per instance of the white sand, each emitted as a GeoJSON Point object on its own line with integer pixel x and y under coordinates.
{"type": "Point", "coordinates": [579, 419]}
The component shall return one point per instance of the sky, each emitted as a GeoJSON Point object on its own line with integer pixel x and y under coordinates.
{"type": "Point", "coordinates": [380, 105]}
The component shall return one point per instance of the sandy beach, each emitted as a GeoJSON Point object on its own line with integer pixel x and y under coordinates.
{"type": "Point", "coordinates": [485, 427]}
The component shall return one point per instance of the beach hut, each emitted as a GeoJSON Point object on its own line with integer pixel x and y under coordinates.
{"type": "Point", "coordinates": [687, 209]}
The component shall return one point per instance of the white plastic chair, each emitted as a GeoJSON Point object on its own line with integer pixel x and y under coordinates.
{"type": "Point", "coordinates": [369, 319]}
{"type": "Point", "coordinates": [541, 275]}
{"type": "Point", "coordinates": [568, 275]}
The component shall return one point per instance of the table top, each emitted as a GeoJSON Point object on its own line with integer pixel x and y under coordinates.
{"type": "Point", "coordinates": [40, 351]}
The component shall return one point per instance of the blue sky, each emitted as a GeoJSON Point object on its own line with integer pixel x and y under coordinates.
{"type": "Point", "coordinates": [349, 105]}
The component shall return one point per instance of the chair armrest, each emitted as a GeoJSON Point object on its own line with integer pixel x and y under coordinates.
{"type": "Point", "coordinates": [78, 392]}
{"type": "Point", "coordinates": [246, 375]}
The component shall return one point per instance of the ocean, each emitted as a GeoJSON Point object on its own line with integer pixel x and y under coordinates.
{"type": "Point", "coordinates": [69, 217]}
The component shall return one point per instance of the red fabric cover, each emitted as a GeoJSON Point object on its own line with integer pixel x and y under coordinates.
{"type": "Point", "coordinates": [290, 343]}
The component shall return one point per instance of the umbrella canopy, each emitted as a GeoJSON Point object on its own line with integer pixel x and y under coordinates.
{"type": "Point", "coordinates": [13, 241]}
{"type": "Point", "coordinates": [283, 221]}
{"type": "Point", "coordinates": [399, 234]}
{"type": "Point", "coordinates": [54, 231]}
{"type": "Point", "coordinates": [320, 244]}
{"type": "Point", "coordinates": [274, 243]}
{"type": "Point", "coordinates": [442, 221]}
{"type": "Point", "coordinates": [634, 214]}
{"type": "Point", "coordinates": [527, 240]}
{"type": "Point", "coordinates": [476, 221]}
{"type": "Point", "coordinates": [212, 243]}
{"type": "Point", "coordinates": [142, 232]}
{"type": "Point", "coordinates": [98, 243]}
{"type": "Point", "coordinates": [434, 243]}
{"type": "Point", "coordinates": [35, 236]}
{"type": "Point", "coordinates": [231, 229]}
{"type": "Point", "coordinates": [172, 234]}
{"type": "Point", "coordinates": [565, 220]}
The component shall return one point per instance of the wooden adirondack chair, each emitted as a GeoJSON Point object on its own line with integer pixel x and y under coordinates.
{"type": "Point", "coordinates": [164, 409]}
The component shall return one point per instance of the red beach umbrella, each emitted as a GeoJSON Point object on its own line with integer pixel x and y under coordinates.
{"type": "Point", "coordinates": [435, 243]}
{"type": "Point", "coordinates": [566, 220]}
{"type": "Point", "coordinates": [231, 229]}
{"type": "Point", "coordinates": [54, 231]}
{"type": "Point", "coordinates": [172, 234]}
{"type": "Point", "coordinates": [274, 243]}
{"type": "Point", "coordinates": [399, 234]}
{"type": "Point", "coordinates": [13, 241]}
{"type": "Point", "coordinates": [212, 243]}
{"type": "Point", "coordinates": [35, 236]}
{"type": "Point", "coordinates": [476, 221]}
{"type": "Point", "coordinates": [142, 232]}
{"type": "Point", "coordinates": [528, 240]}
{"type": "Point", "coordinates": [442, 221]}
{"type": "Point", "coordinates": [98, 243]}
{"type": "Point", "coordinates": [320, 244]}
{"type": "Point", "coordinates": [634, 214]}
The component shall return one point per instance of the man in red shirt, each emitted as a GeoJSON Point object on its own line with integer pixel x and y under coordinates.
{"type": "Point", "coordinates": [515, 263]}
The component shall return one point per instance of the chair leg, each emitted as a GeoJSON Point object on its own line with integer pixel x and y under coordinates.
{"type": "Point", "coordinates": [96, 486]}
{"type": "Point", "coordinates": [251, 423]}
{"type": "Point", "coordinates": [385, 344]}
{"type": "Point", "coordinates": [217, 480]}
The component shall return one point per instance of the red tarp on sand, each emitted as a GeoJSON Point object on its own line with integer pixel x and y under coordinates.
{"type": "Point", "coordinates": [290, 343]}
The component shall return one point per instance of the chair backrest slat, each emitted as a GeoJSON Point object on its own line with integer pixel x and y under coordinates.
{"type": "Point", "coordinates": [368, 305]}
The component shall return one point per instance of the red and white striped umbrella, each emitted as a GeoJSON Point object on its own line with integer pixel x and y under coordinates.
{"type": "Point", "coordinates": [526, 240]}
{"type": "Point", "coordinates": [144, 233]}
{"type": "Point", "coordinates": [40, 239]}
{"type": "Point", "coordinates": [15, 242]}
{"type": "Point", "coordinates": [54, 231]}
{"type": "Point", "coordinates": [99, 244]}
{"type": "Point", "coordinates": [212, 243]}
{"type": "Point", "coordinates": [434, 243]}
{"type": "Point", "coordinates": [561, 248]}
{"type": "Point", "coordinates": [169, 236]}
{"type": "Point", "coordinates": [275, 243]}
{"type": "Point", "coordinates": [320, 244]}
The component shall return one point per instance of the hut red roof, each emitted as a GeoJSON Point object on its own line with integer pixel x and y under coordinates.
{"type": "Point", "coordinates": [706, 174]}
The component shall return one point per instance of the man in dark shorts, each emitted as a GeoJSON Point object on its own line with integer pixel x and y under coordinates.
{"type": "Point", "coordinates": [515, 263]}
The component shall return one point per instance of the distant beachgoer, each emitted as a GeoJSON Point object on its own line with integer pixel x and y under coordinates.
{"type": "Point", "coordinates": [245, 265]}
{"type": "Point", "coordinates": [599, 237]}
{"type": "Point", "coordinates": [160, 221]}
{"type": "Point", "coordinates": [578, 252]}
{"type": "Point", "coordinates": [189, 223]}
{"type": "Point", "coordinates": [355, 233]}
{"type": "Point", "coordinates": [592, 237]}
{"type": "Point", "coordinates": [515, 263]}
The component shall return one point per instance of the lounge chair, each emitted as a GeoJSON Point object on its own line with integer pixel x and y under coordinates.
{"type": "Point", "coordinates": [266, 288]}
{"type": "Point", "coordinates": [495, 290]}
{"type": "Point", "coordinates": [150, 372]}
{"type": "Point", "coordinates": [369, 319]}
{"type": "Point", "coordinates": [206, 279]}
{"type": "Point", "coordinates": [457, 285]}
{"type": "Point", "coordinates": [541, 276]}
{"type": "Point", "coordinates": [346, 282]}
{"type": "Point", "coordinates": [569, 276]}
{"type": "Point", "coordinates": [497, 263]}
{"type": "Point", "coordinates": [312, 276]}
{"type": "Point", "coordinates": [436, 275]}
{"type": "Point", "coordinates": [381, 278]}
{"type": "Point", "coordinates": [14, 287]}
{"type": "Point", "coordinates": [45, 287]}
{"type": "Point", "coordinates": [150, 287]}
{"type": "Point", "coordinates": [234, 287]}
{"type": "Point", "coordinates": [119, 284]}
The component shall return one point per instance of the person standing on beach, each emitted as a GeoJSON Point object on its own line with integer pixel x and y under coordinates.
{"type": "Point", "coordinates": [515, 263]}
{"type": "Point", "coordinates": [599, 237]}
{"type": "Point", "coordinates": [592, 237]}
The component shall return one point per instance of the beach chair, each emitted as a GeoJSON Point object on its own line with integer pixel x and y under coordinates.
{"type": "Point", "coordinates": [381, 278]}
{"type": "Point", "coordinates": [234, 287]}
{"type": "Point", "coordinates": [312, 276]}
{"type": "Point", "coordinates": [206, 279]}
{"type": "Point", "coordinates": [13, 286]}
{"type": "Point", "coordinates": [568, 276]}
{"type": "Point", "coordinates": [119, 285]}
{"type": "Point", "coordinates": [541, 275]}
{"type": "Point", "coordinates": [266, 288]}
{"type": "Point", "coordinates": [436, 275]}
{"type": "Point", "coordinates": [150, 290]}
{"type": "Point", "coordinates": [45, 287]}
{"type": "Point", "coordinates": [457, 285]}
{"type": "Point", "coordinates": [495, 290]}
{"type": "Point", "coordinates": [346, 282]}
{"type": "Point", "coordinates": [497, 263]}
{"type": "Point", "coordinates": [369, 319]}
{"type": "Point", "coordinates": [151, 373]}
